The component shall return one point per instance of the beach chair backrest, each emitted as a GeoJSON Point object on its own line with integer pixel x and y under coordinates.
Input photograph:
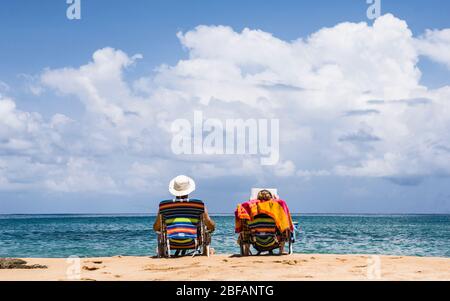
{"type": "Point", "coordinates": [182, 219]}
{"type": "Point", "coordinates": [262, 225]}
{"type": "Point", "coordinates": [264, 230]}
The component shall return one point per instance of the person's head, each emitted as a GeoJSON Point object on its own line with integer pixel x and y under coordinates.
{"type": "Point", "coordinates": [181, 187]}
{"type": "Point", "coordinates": [265, 195]}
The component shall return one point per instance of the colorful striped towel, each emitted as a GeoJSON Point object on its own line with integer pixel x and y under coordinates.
{"type": "Point", "coordinates": [276, 209]}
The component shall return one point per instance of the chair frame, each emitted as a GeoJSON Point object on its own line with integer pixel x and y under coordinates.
{"type": "Point", "coordinates": [202, 242]}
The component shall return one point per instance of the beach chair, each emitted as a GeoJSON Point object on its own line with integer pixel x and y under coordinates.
{"type": "Point", "coordinates": [183, 228]}
{"type": "Point", "coordinates": [262, 232]}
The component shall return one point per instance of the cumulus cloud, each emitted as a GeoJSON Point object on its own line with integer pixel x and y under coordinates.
{"type": "Point", "coordinates": [19, 131]}
{"type": "Point", "coordinates": [435, 44]}
{"type": "Point", "coordinates": [349, 104]}
{"type": "Point", "coordinates": [80, 174]}
{"type": "Point", "coordinates": [99, 84]}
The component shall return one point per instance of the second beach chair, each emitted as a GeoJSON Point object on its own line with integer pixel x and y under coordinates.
{"type": "Point", "coordinates": [264, 224]}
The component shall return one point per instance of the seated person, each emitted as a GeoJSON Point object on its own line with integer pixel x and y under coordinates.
{"type": "Point", "coordinates": [181, 187]}
{"type": "Point", "coordinates": [267, 219]}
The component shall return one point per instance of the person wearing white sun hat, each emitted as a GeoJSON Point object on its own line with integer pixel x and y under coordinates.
{"type": "Point", "coordinates": [181, 187]}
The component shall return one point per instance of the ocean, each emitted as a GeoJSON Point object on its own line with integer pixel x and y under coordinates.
{"type": "Point", "coordinates": [55, 236]}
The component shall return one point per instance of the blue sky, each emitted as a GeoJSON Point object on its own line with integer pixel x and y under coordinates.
{"type": "Point", "coordinates": [39, 42]}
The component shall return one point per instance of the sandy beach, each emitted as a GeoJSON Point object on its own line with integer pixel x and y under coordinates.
{"type": "Point", "coordinates": [228, 267]}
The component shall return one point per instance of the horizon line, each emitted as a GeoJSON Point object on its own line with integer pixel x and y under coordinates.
{"type": "Point", "coordinates": [232, 214]}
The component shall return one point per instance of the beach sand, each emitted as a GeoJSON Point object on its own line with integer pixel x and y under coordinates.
{"type": "Point", "coordinates": [227, 267]}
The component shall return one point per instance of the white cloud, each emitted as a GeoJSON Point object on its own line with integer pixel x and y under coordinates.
{"type": "Point", "coordinates": [346, 58]}
{"type": "Point", "coordinates": [349, 104]}
{"type": "Point", "coordinates": [80, 174]}
{"type": "Point", "coordinates": [435, 44]}
{"type": "Point", "coordinates": [313, 173]}
{"type": "Point", "coordinates": [99, 84]}
{"type": "Point", "coordinates": [32, 84]}
{"type": "Point", "coordinates": [285, 169]}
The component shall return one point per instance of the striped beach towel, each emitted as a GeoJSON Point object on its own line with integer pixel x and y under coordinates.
{"type": "Point", "coordinates": [182, 219]}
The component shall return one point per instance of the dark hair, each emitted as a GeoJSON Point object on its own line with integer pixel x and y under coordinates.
{"type": "Point", "coordinates": [265, 195]}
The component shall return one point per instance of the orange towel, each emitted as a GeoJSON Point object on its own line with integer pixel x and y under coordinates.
{"type": "Point", "coordinates": [276, 209]}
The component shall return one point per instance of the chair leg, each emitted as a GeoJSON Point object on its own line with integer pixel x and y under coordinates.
{"type": "Point", "coordinates": [242, 247]}
{"type": "Point", "coordinates": [291, 248]}
{"type": "Point", "coordinates": [163, 248]}
{"type": "Point", "coordinates": [206, 250]}
{"type": "Point", "coordinates": [282, 248]}
{"type": "Point", "coordinates": [206, 244]}
{"type": "Point", "coordinates": [160, 251]}
{"type": "Point", "coordinates": [168, 248]}
{"type": "Point", "coordinates": [245, 249]}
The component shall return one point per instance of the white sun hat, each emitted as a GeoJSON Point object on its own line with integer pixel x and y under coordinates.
{"type": "Point", "coordinates": [181, 186]}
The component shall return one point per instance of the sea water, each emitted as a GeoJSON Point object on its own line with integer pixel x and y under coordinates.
{"type": "Point", "coordinates": [110, 235]}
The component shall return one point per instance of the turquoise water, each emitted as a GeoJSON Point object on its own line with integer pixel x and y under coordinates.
{"type": "Point", "coordinates": [101, 235]}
